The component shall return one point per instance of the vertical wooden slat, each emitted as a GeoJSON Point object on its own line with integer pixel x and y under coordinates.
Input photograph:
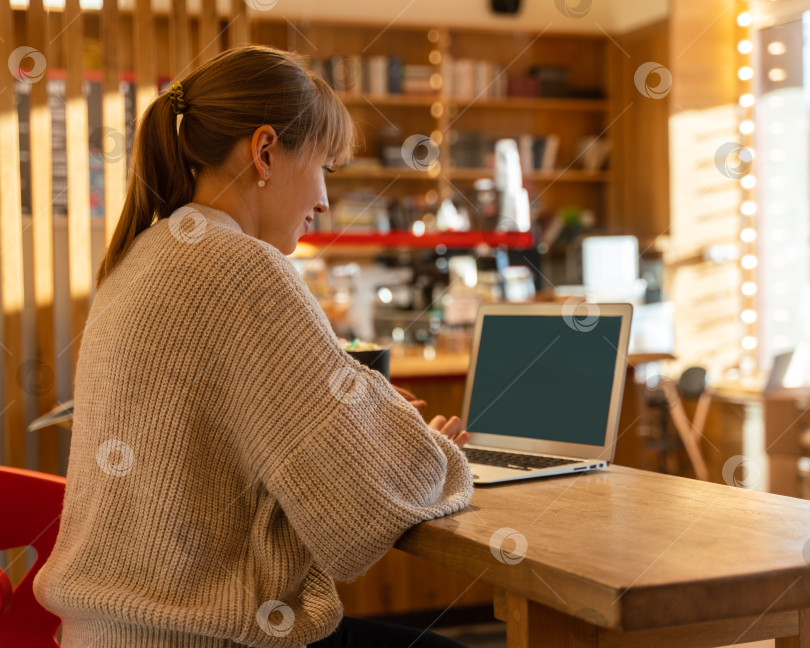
{"type": "Point", "coordinates": [11, 263]}
{"type": "Point", "coordinates": [209, 32]}
{"type": "Point", "coordinates": [78, 174]}
{"type": "Point", "coordinates": [144, 54]}
{"type": "Point", "coordinates": [113, 119]}
{"type": "Point", "coordinates": [11, 274]}
{"type": "Point", "coordinates": [239, 29]}
{"type": "Point", "coordinates": [180, 37]}
{"type": "Point", "coordinates": [42, 230]}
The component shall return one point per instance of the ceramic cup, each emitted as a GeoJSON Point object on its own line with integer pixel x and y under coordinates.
{"type": "Point", "coordinates": [379, 359]}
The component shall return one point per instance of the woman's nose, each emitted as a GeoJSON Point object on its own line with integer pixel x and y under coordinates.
{"type": "Point", "coordinates": [323, 205]}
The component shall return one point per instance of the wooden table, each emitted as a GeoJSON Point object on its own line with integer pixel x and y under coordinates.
{"type": "Point", "coordinates": [624, 557]}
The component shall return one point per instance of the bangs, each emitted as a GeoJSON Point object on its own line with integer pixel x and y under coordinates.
{"type": "Point", "coordinates": [334, 133]}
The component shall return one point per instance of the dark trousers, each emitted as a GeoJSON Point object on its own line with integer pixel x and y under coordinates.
{"type": "Point", "coordinates": [364, 633]}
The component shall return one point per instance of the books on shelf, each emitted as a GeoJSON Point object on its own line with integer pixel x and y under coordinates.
{"type": "Point", "coordinates": [357, 212]}
{"type": "Point", "coordinates": [375, 75]}
{"type": "Point", "coordinates": [552, 80]}
{"type": "Point", "coordinates": [416, 79]}
{"type": "Point", "coordinates": [467, 78]}
{"type": "Point", "coordinates": [473, 149]}
{"type": "Point", "coordinates": [464, 79]}
{"type": "Point", "coordinates": [592, 153]}
{"type": "Point", "coordinates": [376, 81]}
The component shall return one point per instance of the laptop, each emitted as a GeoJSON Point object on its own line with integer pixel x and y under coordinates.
{"type": "Point", "coordinates": [544, 388]}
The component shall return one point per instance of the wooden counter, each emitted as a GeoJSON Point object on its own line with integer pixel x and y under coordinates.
{"type": "Point", "coordinates": [623, 557]}
{"type": "Point", "coordinates": [414, 361]}
{"type": "Point", "coordinates": [427, 362]}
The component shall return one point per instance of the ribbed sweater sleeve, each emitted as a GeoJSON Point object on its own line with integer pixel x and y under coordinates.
{"type": "Point", "coordinates": [351, 462]}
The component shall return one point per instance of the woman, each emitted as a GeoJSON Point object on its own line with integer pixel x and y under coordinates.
{"type": "Point", "coordinates": [229, 459]}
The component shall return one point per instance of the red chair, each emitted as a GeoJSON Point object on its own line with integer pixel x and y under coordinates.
{"type": "Point", "coordinates": [30, 507]}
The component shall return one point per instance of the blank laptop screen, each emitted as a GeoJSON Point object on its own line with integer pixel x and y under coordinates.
{"type": "Point", "coordinates": [541, 378]}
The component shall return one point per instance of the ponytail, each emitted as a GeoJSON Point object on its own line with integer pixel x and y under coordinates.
{"type": "Point", "coordinates": [225, 99]}
{"type": "Point", "coordinates": [159, 181]}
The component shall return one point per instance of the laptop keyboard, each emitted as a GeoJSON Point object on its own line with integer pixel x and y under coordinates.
{"type": "Point", "coordinates": [512, 460]}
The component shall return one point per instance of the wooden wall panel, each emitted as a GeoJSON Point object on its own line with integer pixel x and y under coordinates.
{"type": "Point", "coordinates": [702, 53]}
{"type": "Point", "coordinates": [640, 152]}
{"type": "Point", "coordinates": [11, 264]}
{"type": "Point", "coordinates": [113, 119]}
{"type": "Point", "coordinates": [42, 229]}
{"type": "Point", "coordinates": [209, 32]}
{"type": "Point", "coordinates": [144, 56]}
{"type": "Point", "coordinates": [78, 173]}
{"type": "Point", "coordinates": [179, 40]}
{"type": "Point", "coordinates": [239, 24]}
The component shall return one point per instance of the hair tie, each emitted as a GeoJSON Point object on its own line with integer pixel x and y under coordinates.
{"type": "Point", "coordinates": [176, 97]}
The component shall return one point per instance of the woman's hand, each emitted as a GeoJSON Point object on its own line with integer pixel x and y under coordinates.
{"type": "Point", "coordinates": [451, 429]}
{"type": "Point", "coordinates": [420, 405]}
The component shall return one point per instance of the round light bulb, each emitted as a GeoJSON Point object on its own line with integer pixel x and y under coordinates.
{"type": "Point", "coordinates": [748, 235]}
{"type": "Point", "coordinates": [747, 127]}
{"type": "Point", "coordinates": [748, 182]}
{"type": "Point", "coordinates": [745, 46]}
{"type": "Point", "coordinates": [744, 19]}
{"type": "Point", "coordinates": [748, 316]}
{"type": "Point", "coordinates": [749, 262]}
{"type": "Point", "coordinates": [747, 100]}
{"type": "Point", "coordinates": [749, 288]}
{"type": "Point", "coordinates": [745, 73]}
{"type": "Point", "coordinates": [749, 342]}
{"type": "Point", "coordinates": [748, 208]}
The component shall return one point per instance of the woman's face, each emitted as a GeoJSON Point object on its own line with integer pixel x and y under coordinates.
{"type": "Point", "coordinates": [293, 194]}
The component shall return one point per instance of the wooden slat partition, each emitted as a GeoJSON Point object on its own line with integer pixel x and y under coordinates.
{"type": "Point", "coordinates": [239, 28]}
{"type": "Point", "coordinates": [78, 175]}
{"type": "Point", "coordinates": [11, 273]}
{"type": "Point", "coordinates": [39, 133]}
{"type": "Point", "coordinates": [239, 32]}
{"type": "Point", "coordinates": [209, 32]}
{"type": "Point", "coordinates": [11, 265]}
{"type": "Point", "coordinates": [113, 119]}
{"type": "Point", "coordinates": [179, 40]}
{"type": "Point", "coordinates": [144, 56]}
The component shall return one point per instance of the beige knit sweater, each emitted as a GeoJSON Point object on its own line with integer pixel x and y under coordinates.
{"type": "Point", "coordinates": [228, 459]}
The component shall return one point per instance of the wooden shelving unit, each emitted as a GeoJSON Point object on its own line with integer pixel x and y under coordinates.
{"type": "Point", "coordinates": [528, 103]}
{"type": "Point", "coordinates": [438, 114]}
{"type": "Point", "coordinates": [555, 175]}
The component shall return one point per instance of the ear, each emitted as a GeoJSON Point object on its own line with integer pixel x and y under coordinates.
{"type": "Point", "coordinates": [261, 146]}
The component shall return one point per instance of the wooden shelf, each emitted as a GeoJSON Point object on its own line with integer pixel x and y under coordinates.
{"type": "Point", "coordinates": [555, 175]}
{"type": "Point", "coordinates": [381, 173]}
{"type": "Point", "coordinates": [531, 103]}
{"type": "Point", "coordinates": [501, 103]}
{"type": "Point", "coordinates": [388, 99]}
{"type": "Point", "coordinates": [407, 239]}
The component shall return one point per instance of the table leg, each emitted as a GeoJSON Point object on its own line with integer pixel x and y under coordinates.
{"type": "Point", "coordinates": [802, 640]}
{"type": "Point", "coordinates": [531, 625]}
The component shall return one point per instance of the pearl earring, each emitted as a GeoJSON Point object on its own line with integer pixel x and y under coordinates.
{"type": "Point", "coordinates": [261, 183]}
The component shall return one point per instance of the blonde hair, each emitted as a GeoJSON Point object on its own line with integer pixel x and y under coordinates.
{"type": "Point", "coordinates": [227, 99]}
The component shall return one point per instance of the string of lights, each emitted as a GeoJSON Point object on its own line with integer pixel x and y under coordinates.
{"type": "Point", "coordinates": [748, 181]}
